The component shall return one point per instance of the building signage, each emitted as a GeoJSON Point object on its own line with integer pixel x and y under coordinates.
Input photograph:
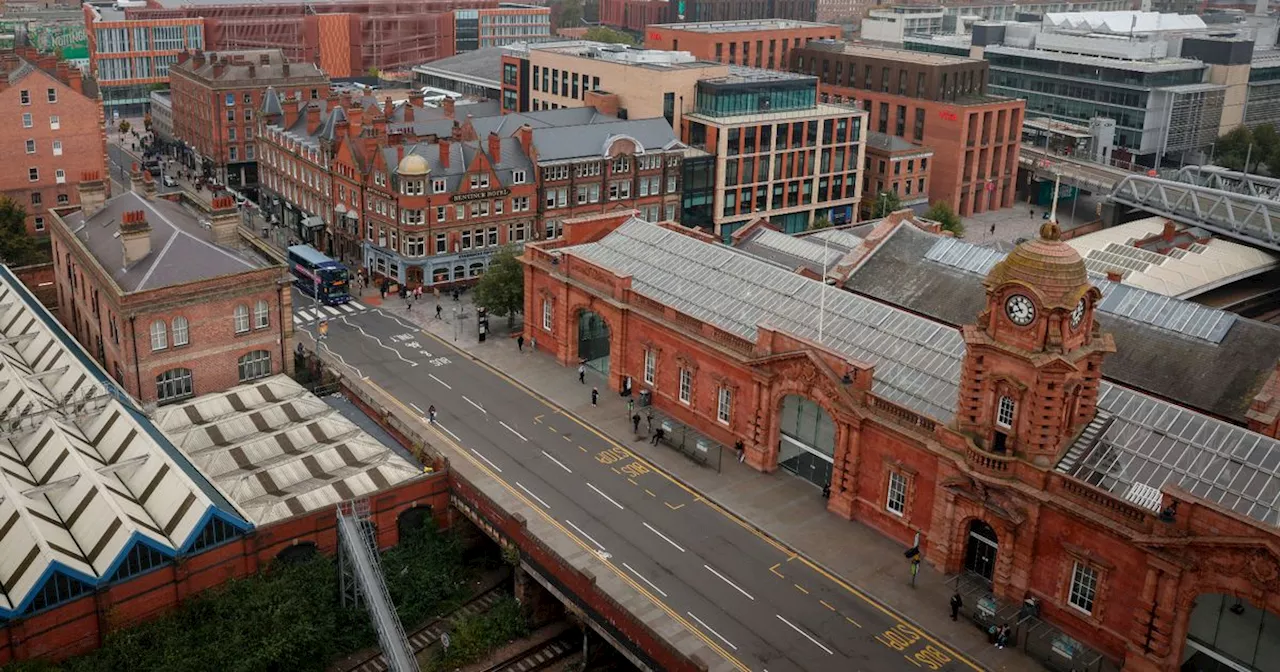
{"type": "Point", "coordinates": [948, 115]}
{"type": "Point", "coordinates": [479, 195]}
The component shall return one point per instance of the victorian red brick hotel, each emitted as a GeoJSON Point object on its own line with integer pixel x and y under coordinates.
{"type": "Point", "coordinates": [1048, 433]}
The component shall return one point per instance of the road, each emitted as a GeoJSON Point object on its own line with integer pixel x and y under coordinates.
{"type": "Point", "coordinates": [120, 161]}
{"type": "Point", "coordinates": [748, 598]}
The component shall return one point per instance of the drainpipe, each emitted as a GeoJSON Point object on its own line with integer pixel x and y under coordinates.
{"type": "Point", "coordinates": [137, 366]}
{"type": "Point", "coordinates": [284, 363]}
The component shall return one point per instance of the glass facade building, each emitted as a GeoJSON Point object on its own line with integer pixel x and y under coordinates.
{"type": "Point", "coordinates": [731, 96]}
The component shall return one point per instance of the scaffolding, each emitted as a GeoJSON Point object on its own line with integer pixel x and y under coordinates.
{"type": "Point", "coordinates": [360, 581]}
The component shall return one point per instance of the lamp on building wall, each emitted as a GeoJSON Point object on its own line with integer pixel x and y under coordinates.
{"type": "Point", "coordinates": [1170, 513]}
{"type": "Point", "coordinates": [847, 379]}
{"type": "Point", "coordinates": [1237, 608]}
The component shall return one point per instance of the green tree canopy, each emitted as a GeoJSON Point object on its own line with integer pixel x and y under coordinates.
{"type": "Point", "coordinates": [942, 213]}
{"type": "Point", "coordinates": [17, 248]}
{"type": "Point", "coordinates": [501, 289]}
{"type": "Point", "coordinates": [125, 126]}
{"type": "Point", "coordinates": [1260, 146]}
{"type": "Point", "coordinates": [570, 14]}
{"type": "Point", "coordinates": [820, 223]}
{"type": "Point", "coordinates": [886, 202]}
{"type": "Point", "coordinates": [609, 35]}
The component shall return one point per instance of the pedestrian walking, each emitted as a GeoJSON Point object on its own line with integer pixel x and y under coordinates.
{"type": "Point", "coordinates": [520, 342]}
{"type": "Point", "coordinates": [657, 436]}
{"type": "Point", "coordinates": [631, 405]}
{"type": "Point", "coordinates": [956, 603]}
{"type": "Point", "coordinates": [437, 311]}
{"type": "Point", "coordinates": [635, 423]}
{"type": "Point", "coordinates": [741, 450]}
{"type": "Point", "coordinates": [1032, 214]}
{"type": "Point", "coordinates": [582, 374]}
{"type": "Point", "coordinates": [648, 421]}
{"type": "Point", "coordinates": [383, 288]}
{"type": "Point", "coordinates": [993, 229]}
{"type": "Point", "coordinates": [431, 414]}
{"type": "Point", "coordinates": [1002, 636]}
{"type": "Point", "coordinates": [595, 395]}
{"type": "Point", "coordinates": [533, 344]}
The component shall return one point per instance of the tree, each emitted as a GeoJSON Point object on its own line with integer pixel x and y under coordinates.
{"type": "Point", "coordinates": [125, 126]}
{"type": "Point", "coordinates": [16, 247]}
{"type": "Point", "coordinates": [820, 223]}
{"type": "Point", "coordinates": [886, 202]}
{"type": "Point", "coordinates": [608, 35]}
{"type": "Point", "coordinates": [501, 289]}
{"type": "Point", "coordinates": [942, 213]}
{"type": "Point", "coordinates": [570, 15]}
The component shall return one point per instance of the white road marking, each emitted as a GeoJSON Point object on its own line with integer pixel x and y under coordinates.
{"type": "Point", "coordinates": [647, 581]}
{"type": "Point", "coordinates": [579, 529]}
{"type": "Point", "coordinates": [558, 462]}
{"type": "Point", "coordinates": [726, 580]}
{"type": "Point", "coordinates": [708, 629]}
{"type": "Point", "coordinates": [380, 343]}
{"type": "Point", "coordinates": [332, 311]}
{"type": "Point", "coordinates": [297, 320]}
{"type": "Point", "coordinates": [446, 431]}
{"type": "Point", "coordinates": [355, 304]}
{"type": "Point", "coordinates": [419, 410]}
{"type": "Point", "coordinates": [486, 461]}
{"type": "Point", "coordinates": [806, 635]}
{"type": "Point", "coordinates": [599, 492]}
{"type": "Point", "coordinates": [527, 492]}
{"type": "Point", "coordinates": [306, 315]}
{"type": "Point", "coordinates": [340, 357]}
{"type": "Point", "coordinates": [476, 405]}
{"type": "Point", "coordinates": [347, 308]}
{"type": "Point", "coordinates": [446, 385]}
{"type": "Point", "coordinates": [512, 430]}
{"type": "Point", "coordinates": [664, 537]}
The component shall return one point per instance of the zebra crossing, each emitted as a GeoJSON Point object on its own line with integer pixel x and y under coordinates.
{"type": "Point", "coordinates": [306, 313]}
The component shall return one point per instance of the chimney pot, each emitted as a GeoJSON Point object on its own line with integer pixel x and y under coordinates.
{"type": "Point", "coordinates": [92, 192]}
{"type": "Point", "coordinates": [224, 221]}
{"type": "Point", "coordinates": [1114, 276]}
{"type": "Point", "coordinates": [447, 106]}
{"type": "Point", "coordinates": [495, 148]}
{"type": "Point", "coordinates": [135, 237]}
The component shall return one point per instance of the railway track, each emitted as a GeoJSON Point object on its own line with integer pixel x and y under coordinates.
{"type": "Point", "coordinates": [430, 633]}
{"type": "Point", "coordinates": [540, 656]}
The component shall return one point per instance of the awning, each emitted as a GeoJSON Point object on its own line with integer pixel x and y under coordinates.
{"type": "Point", "coordinates": [312, 222]}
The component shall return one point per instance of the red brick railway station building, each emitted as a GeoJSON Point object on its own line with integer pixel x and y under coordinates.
{"type": "Point", "coordinates": [1146, 529]}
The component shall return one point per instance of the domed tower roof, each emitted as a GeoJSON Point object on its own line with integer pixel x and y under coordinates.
{"type": "Point", "coordinates": [1047, 265]}
{"type": "Point", "coordinates": [413, 166]}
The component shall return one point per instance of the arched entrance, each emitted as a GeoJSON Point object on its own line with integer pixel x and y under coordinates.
{"type": "Point", "coordinates": [593, 341]}
{"type": "Point", "coordinates": [806, 440]}
{"type": "Point", "coordinates": [1227, 634]}
{"type": "Point", "coordinates": [980, 550]}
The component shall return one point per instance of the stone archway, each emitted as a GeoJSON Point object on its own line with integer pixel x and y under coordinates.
{"type": "Point", "coordinates": [981, 549]}
{"type": "Point", "coordinates": [1230, 634]}
{"type": "Point", "coordinates": [806, 439]}
{"type": "Point", "coordinates": [297, 553]}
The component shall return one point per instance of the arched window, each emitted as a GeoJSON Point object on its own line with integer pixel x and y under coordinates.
{"type": "Point", "coordinates": [261, 315]}
{"type": "Point", "coordinates": [159, 336]}
{"type": "Point", "coordinates": [181, 332]}
{"type": "Point", "coordinates": [1004, 412]}
{"type": "Point", "coordinates": [242, 318]}
{"type": "Point", "coordinates": [256, 364]}
{"type": "Point", "coordinates": [173, 385]}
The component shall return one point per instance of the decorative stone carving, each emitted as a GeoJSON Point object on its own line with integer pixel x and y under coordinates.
{"type": "Point", "coordinates": [1257, 565]}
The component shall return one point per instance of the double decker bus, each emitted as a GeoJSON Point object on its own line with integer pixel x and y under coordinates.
{"type": "Point", "coordinates": [318, 276]}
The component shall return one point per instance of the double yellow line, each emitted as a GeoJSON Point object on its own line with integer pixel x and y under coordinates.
{"type": "Point", "coordinates": [555, 523]}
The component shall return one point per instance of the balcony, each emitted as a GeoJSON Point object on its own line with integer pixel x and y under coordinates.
{"type": "Point", "coordinates": [988, 463]}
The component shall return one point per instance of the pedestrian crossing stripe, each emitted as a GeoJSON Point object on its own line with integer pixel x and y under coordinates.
{"type": "Point", "coordinates": [311, 312]}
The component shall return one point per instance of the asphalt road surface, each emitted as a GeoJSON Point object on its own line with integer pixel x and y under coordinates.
{"type": "Point", "coordinates": [751, 600]}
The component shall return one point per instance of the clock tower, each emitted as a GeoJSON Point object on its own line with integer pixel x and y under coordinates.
{"type": "Point", "coordinates": [1034, 358]}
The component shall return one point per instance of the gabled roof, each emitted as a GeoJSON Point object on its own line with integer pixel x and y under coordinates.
{"type": "Point", "coordinates": [279, 451]}
{"type": "Point", "coordinates": [182, 250]}
{"type": "Point", "coordinates": [572, 142]}
{"type": "Point", "coordinates": [1140, 443]}
{"type": "Point", "coordinates": [85, 479]}
{"type": "Point", "coordinates": [791, 252]}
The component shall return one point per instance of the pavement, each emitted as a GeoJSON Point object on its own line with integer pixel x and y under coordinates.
{"type": "Point", "coordinates": [756, 562]}
{"type": "Point", "coordinates": [1023, 220]}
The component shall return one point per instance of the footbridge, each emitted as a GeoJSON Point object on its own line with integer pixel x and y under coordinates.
{"type": "Point", "coordinates": [1225, 202]}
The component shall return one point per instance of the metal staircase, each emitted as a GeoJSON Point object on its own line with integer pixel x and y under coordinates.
{"type": "Point", "coordinates": [360, 580]}
{"type": "Point", "coordinates": [1092, 432]}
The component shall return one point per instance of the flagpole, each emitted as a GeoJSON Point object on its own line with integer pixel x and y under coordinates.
{"type": "Point", "coordinates": [822, 301]}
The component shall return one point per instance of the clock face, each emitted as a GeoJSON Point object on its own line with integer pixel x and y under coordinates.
{"type": "Point", "coordinates": [1020, 310]}
{"type": "Point", "coordinates": [1077, 314]}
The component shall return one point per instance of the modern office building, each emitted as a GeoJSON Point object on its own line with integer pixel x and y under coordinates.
{"type": "Point", "coordinates": [937, 101]}
{"type": "Point", "coordinates": [216, 96]}
{"type": "Point", "coordinates": [1263, 97]}
{"type": "Point", "coordinates": [763, 44]}
{"type": "Point", "coordinates": [618, 80]}
{"type": "Point", "coordinates": [161, 111]}
{"type": "Point", "coordinates": [508, 23]}
{"type": "Point", "coordinates": [129, 56]}
{"type": "Point", "coordinates": [635, 15]}
{"type": "Point", "coordinates": [53, 135]}
{"type": "Point", "coordinates": [891, 24]}
{"type": "Point", "coordinates": [779, 153]}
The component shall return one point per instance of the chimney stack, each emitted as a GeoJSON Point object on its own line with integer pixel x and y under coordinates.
{"type": "Point", "coordinates": [388, 109]}
{"type": "Point", "coordinates": [93, 193]}
{"type": "Point", "coordinates": [313, 118]}
{"type": "Point", "coordinates": [415, 98]}
{"type": "Point", "coordinates": [355, 115]}
{"type": "Point", "coordinates": [289, 105]}
{"type": "Point", "coordinates": [444, 153]}
{"type": "Point", "coordinates": [525, 134]}
{"type": "Point", "coordinates": [148, 186]}
{"type": "Point", "coordinates": [495, 148]}
{"type": "Point", "coordinates": [447, 106]}
{"type": "Point", "coordinates": [284, 69]}
{"type": "Point", "coordinates": [135, 236]}
{"type": "Point", "coordinates": [225, 221]}
{"type": "Point", "coordinates": [135, 178]}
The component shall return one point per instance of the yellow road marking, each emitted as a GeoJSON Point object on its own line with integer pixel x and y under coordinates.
{"type": "Point", "coordinates": [673, 508]}
{"type": "Point", "coordinates": [589, 548]}
{"type": "Point", "coordinates": [824, 603]}
{"type": "Point", "coordinates": [785, 550]}
{"type": "Point", "coordinates": [800, 588]}
{"type": "Point", "coordinates": [774, 569]}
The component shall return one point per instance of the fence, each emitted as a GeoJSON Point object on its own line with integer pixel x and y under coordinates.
{"type": "Point", "coordinates": [685, 440]}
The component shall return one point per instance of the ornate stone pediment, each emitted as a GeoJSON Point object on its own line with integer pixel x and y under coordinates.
{"type": "Point", "coordinates": [803, 371]}
{"type": "Point", "coordinates": [1258, 565]}
{"type": "Point", "coordinates": [1000, 501]}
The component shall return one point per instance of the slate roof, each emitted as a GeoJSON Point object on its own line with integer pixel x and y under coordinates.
{"type": "Point", "coordinates": [461, 154]}
{"type": "Point", "coordinates": [483, 64]}
{"type": "Point", "coordinates": [842, 239]}
{"type": "Point", "coordinates": [1143, 444]}
{"type": "Point", "coordinates": [236, 66]}
{"type": "Point", "coordinates": [85, 479]}
{"type": "Point", "coordinates": [279, 451]}
{"type": "Point", "coordinates": [791, 252]}
{"type": "Point", "coordinates": [1219, 378]}
{"type": "Point", "coordinates": [572, 142]}
{"type": "Point", "coordinates": [181, 249]}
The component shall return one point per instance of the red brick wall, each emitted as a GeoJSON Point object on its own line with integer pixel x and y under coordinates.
{"type": "Point", "coordinates": [40, 280]}
{"type": "Point", "coordinates": [77, 627]}
{"type": "Point", "coordinates": [769, 49]}
{"type": "Point", "coordinates": [79, 130]}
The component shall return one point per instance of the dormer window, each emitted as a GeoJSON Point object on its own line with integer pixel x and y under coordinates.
{"type": "Point", "coordinates": [479, 180]}
{"type": "Point", "coordinates": [437, 186]}
{"type": "Point", "coordinates": [517, 177]}
{"type": "Point", "coordinates": [621, 164]}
